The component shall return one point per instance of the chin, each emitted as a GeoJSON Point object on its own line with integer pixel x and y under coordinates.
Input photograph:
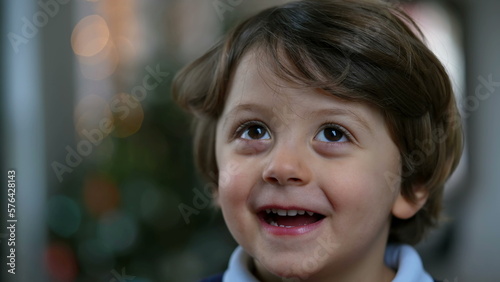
{"type": "Point", "coordinates": [292, 267]}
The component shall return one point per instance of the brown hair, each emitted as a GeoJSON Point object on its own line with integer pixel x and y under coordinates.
{"type": "Point", "coordinates": [362, 51]}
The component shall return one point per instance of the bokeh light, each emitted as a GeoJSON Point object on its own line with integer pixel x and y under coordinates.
{"type": "Point", "coordinates": [118, 231]}
{"type": "Point", "coordinates": [101, 65]}
{"type": "Point", "coordinates": [90, 36]}
{"type": "Point", "coordinates": [129, 183]}
{"type": "Point", "coordinates": [60, 262]}
{"type": "Point", "coordinates": [128, 114]}
{"type": "Point", "coordinates": [125, 48]}
{"type": "Point", "coordinates": [64, 215]}
{"type": "Point", "coordinates": [100, 195]}
{"type": "Point", "coordinates": [92, 113]}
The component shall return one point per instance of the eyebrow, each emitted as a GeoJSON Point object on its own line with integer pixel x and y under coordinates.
{"type": "Point", "coordinates": [343, 112]}
{"type": "Point", "coordinates": [252, 107]}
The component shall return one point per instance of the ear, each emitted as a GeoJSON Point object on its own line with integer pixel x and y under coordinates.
{"type": "Point", "coordinates": [405, 208]}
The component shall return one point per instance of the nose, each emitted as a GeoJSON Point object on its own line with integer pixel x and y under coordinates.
{"type": "Point", "coordinates": [287, 166]}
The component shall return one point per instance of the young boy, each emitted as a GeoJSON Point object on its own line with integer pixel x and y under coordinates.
{"type": "Point", "coordinates": [329, 129]}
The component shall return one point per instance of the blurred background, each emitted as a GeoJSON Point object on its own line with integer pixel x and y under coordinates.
{"type": "Point", "coordinates": [106, 187]}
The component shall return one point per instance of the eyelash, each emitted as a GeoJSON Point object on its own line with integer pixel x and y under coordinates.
{"type": "Point", "coordinates": [244, 125]}
{"type": "Point", "coordinates": [336, 126]}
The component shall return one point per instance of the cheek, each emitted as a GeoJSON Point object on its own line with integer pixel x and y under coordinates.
{"type": "Point", "coordinates": [231, 192]}
{"type": "Point", "coordinates": [234, 184]}
{"type": "Point", "coordinates": [359, 186]}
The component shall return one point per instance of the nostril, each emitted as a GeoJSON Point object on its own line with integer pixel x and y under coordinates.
{"type": "Point", "coordinates": [273, 180]}
{"type": "Point", "coordinates": [276, 181]}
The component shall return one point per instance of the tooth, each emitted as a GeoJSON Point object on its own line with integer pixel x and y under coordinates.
{"type": "Point", "coordinates": [273, 210]}
{"type": "Point", "coordinates": [288, 226]}
{"type": "Point", "coordinates": [282, 225]}
{"type": "Point", "coordinates": [274, 223]}
{"type": "Point", "coordinates": [268, 211]}
{"type": "Point", "coordinates": [282, 212]}
{"type": "Point", "coordinates": [301, 212]}
{"type": "Point", "coordinates": [292, 213]}
{"type": "Point", "coordinates": [310, 213]}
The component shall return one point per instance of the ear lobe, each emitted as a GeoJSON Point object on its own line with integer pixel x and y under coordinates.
{"type": "Point", "coordinates": [405, 208]}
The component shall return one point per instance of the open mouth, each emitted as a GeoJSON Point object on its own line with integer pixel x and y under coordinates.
{"type": "Point", "coordinates": [289, 218]}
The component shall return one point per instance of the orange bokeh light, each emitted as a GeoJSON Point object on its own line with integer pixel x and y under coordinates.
{"type": "Point", "coordinates": [128, 115]}
{"type": "Point", "coordinates": [90, 36]}
{"type": "Point", "coordinates": [102, 64]}
{"type": "Point", "coordinates": [101, 195]}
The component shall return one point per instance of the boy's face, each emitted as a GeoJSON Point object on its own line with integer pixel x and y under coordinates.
{"type": "Point", "coordinates": [300, 150]}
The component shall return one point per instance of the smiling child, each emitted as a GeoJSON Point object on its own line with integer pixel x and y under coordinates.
{"type": "Point", "coordinates": [313, 116]}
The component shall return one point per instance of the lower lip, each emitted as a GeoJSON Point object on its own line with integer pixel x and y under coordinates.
{"type": "Point", "coordinates": [294, 231]}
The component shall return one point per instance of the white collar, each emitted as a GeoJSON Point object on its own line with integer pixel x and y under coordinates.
{"type": "Point", "coordinates": [403, 258]}
{"type": "Point", "coordinates": [407, 263]}
{"type": "Point", "coordinates": [239, 267]}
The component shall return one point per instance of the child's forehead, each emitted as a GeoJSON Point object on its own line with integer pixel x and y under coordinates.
{"type": "Point", "coordinates": [253, 76]}
{"type": "Point", "coordinates": [256, 69]}
{"type": "Point", "coordinates": [256, 89]}
{"type": "Point", "coordinates": [252, 65]}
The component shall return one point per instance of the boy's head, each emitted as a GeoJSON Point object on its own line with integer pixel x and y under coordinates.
{"type": "Point", "coordinates": [334, 107]}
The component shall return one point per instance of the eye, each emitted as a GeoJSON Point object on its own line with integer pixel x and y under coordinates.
{"type": "Point", "coordinates": [332, 134]}
{"type": "Point", "coordinates": [253, 131]}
